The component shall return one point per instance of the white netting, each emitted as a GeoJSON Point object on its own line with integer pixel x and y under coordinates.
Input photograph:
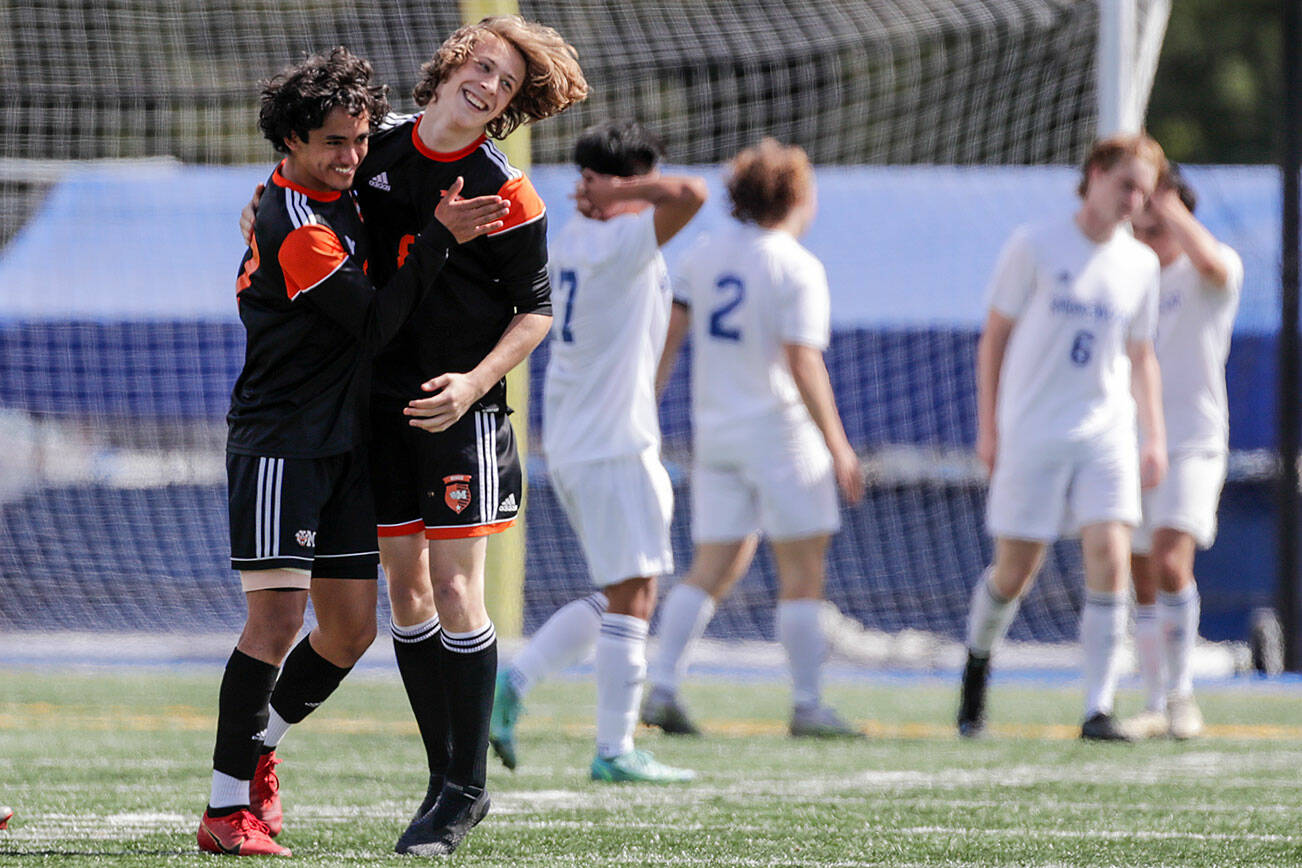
{"type": "Point", "coordinates": [118, 341]}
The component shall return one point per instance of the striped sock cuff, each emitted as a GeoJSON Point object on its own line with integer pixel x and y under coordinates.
{"type": "Point", "coordinates": [1179, 598]}
{"type": "Point", "coordinates": [472, 642]}
{"type": "Point", "coordinates": [598, 602]}
{"type": "Point", "coordinates": [416, 632]}
{"type": "Point", "coordinates": [1145, 614]}
{"type": "Point", "coordinates": [1106, 599]}
{"type": "Point", "coordinates": [626, 627]}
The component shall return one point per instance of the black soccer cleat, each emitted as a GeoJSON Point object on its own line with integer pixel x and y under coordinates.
{"type": "Point", "coordinates": [1103, 727]}
{"type": "Point", "coordinates": [442, 829]}
{"type": "Point", "coordinates": [431, 795]}
{"type": "Point", "coordinates": [972, 696]}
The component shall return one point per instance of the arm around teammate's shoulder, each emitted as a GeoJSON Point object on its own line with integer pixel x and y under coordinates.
{"type": "Point", "coordinates": [810, 374]}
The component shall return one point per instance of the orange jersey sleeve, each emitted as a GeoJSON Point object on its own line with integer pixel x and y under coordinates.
{"type": "Point", "coordinates": [526, 205]}
{"type": "Point", "coordinates": [309, 255]}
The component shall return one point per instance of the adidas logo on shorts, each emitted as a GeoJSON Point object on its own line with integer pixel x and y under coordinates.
{"type": "Point", "coordinates": [380, 182]}
{"type": "Point", "coordinates": [509, 504]}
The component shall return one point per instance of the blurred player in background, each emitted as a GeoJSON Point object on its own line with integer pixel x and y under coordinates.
{"type": "Point", "coordinates": [1068, 339]}
{"type": "Point", "coordinates": [6, 814]}
{"type": "Point", "coordinates": [601, 435]}
{"type": "Point", "coordinates": [301, 509]}
{"type": "Point", "coordinates": [1200, 285]}
{"type": "Point", "coordinates": [770, 450]}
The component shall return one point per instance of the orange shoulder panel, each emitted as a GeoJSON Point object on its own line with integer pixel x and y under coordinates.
{"type": "Point", "coordinates": [526, 205]}
{"type": "Point", "coordinates": [309, 255]}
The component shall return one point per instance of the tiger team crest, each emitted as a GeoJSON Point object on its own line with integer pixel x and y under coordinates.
{"type": "Point", "coordinates": [456, 493]}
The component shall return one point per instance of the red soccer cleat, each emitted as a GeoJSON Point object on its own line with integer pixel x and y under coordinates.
{"type": "Point", "coordinates": [238, 834]}
{"type": "Point", "coordinates": [5, 814]}
{"type": "Point", "coordinates": [264, 793]}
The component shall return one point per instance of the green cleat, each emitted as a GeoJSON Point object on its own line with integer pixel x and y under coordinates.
{"type": "Point", "coordinates": [638, 767]}
{"type": "Point", "coordinates": [501, 726]}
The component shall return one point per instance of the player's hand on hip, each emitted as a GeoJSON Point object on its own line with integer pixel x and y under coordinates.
{"type": "Point", "coordinates": [849, 473]}
{"type": "Point", "coordinates": [250, 214]}
{"type": "Point", "coordinates": [1152, 465]}
{"type": "Point", "coordinates": [470, 218]}
{"type": "Point", "coordinates": [453, 394]}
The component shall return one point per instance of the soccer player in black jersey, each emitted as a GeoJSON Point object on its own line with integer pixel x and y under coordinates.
{"type": "Point", "coordinates": [443, 457]}
{"type": "Point", "coordinates": [301, 509]}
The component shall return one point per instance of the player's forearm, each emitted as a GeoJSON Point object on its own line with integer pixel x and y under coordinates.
{"type": "Point", "coordinates": [680, 319]}
{"type": "Point", "coordinates": [1146, 387]}
{"type": "Point", "coordinates": [1197, 242]}
{"type": "Point", "coordinates": [522, 335]}
{"type": "Point", "coordinates": [990, 362]}
{"type": "Point", "coordinates": [815, 387]}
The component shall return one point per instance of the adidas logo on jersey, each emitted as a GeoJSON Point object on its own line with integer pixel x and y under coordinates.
{"type": "Point", "coordinates": [381, 182]}
{"type": "Point", "coordinates": [508, 505]}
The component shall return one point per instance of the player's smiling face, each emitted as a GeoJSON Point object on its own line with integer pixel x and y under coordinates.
{"type": "Point", "coordinates": [481, 88]}
{"type": "Point", "coordinates": [329, 158]}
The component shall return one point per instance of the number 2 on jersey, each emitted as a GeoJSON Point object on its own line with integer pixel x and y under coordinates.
{"type": "Point", "coordinates": [569, 284]}
{"type": "Point", "coordinates": [733, 293]}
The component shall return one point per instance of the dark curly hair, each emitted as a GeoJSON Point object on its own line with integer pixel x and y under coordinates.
{"type": "Point", "coordinates": [298, 99]}
{"type": "Point", "coordinates": [623, 148]}
{"type": "Point", "coordinates": [768, 180]}
{"type": "Point", "coordinates": [553, 79]}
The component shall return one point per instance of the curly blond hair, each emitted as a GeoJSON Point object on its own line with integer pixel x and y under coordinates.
{"type": "Point", "coordinates": [553, 79]}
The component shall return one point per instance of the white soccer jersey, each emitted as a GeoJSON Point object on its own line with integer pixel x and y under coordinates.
{"type": "Point", "coordinates": [610, 303]}
{"type": "Point", "coordinates": [751, 290]}
{"type": "Point", "coordinates": [1066, 374]}
{"type": "Point", "coordinates": [1194, 323]}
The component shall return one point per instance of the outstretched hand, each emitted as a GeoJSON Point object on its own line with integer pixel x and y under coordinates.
{"type": "Point", "coordinates": [469, 218]}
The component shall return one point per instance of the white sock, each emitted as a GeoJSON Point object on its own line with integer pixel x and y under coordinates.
{"type": "Point", "coordinates": [1148, 649]}
{"type": "Point", "coordinates": [801, 635]}
{"type": "Point", "coordinates": [227, 791]}
{"type": "Point", "coordinates": [1102, 625]}
{"type": "Point", "coordinates": [562, 640]}
{"type": "Point", "coordinates": [621, 670]}
{"type": "Point", "coordinates": [989, 617]}
{"type": "Point", "coordinates": [277, 726]}
{"type": "Point", "coordinates": [1178, 615]}
{"type": "Point", "coordinates": [686, 613]}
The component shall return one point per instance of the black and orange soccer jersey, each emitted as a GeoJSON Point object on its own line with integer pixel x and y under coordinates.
{"type": "Point", "coordinates": [486, 281]}
{"type": "Point", "coordinates": [314, 321]}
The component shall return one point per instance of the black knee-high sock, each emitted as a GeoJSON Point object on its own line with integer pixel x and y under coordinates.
{"type": "Point", "coordinates": [242, 709]}
{"type": "Point", "coordinates": [306, 680]}
{"type": "Point", "coordinates": [469, 673]}
{"type": "Point", "coordinates": [420, 655]}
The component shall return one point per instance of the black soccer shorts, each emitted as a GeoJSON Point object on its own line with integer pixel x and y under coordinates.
{"type": "Point", "coordinates": [462, 482]}
{"type": "Point", "coordinates": [311, 514]}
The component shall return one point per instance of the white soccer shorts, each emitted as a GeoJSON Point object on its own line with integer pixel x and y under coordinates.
{"type": "Point", "coordinates": [1186, 500]}
{"type": "Point", "coordinates": [621, 509]}
{"type": "Point", "coordinates": [1045, 494]}
{"type": "Point", "coordinates": [785, 489]}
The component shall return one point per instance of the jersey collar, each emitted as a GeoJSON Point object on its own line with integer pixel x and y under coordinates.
{"type": "Point", "coordinates": [439, 156]}
{"type": "Point", "coordinates": [316, 195]}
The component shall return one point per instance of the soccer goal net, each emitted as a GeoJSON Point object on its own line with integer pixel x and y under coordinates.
{"type": "Point", "coordinates": [131, 146]}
